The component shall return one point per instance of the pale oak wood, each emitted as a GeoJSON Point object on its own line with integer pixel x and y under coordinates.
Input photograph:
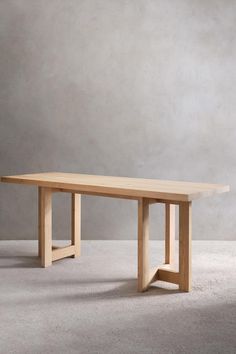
{"type": "Point", "coordinates": [39, 222]}
{"type": "Point", "coordinates": [116, 196]}
{"type": "Point", "coordinates": [46, 226]}
{"type": "Point", "coordinates": [169, 233]}
{"type": "Point", "coordinates": [146, 191]}
{"type": "Point", "coordinates": [164, 273]}
{"type": "Point", "coordinates": [76, 223]}
{"type": "Point", "coordinates": [143, 244]}
{"type": "Point", "coordinates": [62, 252]}
{"type": "Point", "coordinates": [122, 186]}
{"type": "Point", "coordinates": [153, 276]}
{"type": "Point", "coordinates": [169, 276]}
{"type": "Point", "coordinates": [185, 243]}
{"type": "Point", "coordinates": [46, 250]}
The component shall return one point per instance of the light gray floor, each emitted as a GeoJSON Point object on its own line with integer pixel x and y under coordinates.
{"type": "Point", "coordinates": [90, 305]}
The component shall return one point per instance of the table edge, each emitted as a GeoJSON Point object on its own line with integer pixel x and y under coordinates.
{"type": "Point", "coordinates": [125, 192]}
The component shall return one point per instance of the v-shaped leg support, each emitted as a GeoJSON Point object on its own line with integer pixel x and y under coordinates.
{"type": "Point", "coordinates": [166, 271]}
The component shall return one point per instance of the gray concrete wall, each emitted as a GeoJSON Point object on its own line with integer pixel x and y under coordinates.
{"type": "Point", "coordinates": [128, 88]}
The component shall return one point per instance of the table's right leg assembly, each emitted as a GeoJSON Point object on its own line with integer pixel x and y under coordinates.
{"type": "Point", "coordinates": [166, 271]}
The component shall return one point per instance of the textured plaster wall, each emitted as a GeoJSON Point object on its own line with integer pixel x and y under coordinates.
{"type": "Point", "coordinates": [129, 88]}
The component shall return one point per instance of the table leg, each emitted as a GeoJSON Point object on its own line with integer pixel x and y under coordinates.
{"type": "Point", "coordinates": [45, 226]}
{"type": "Point", "coordinates": [143, 250]}
{"type": "Point", "coordinates": [185, 226]}
{"type": "Point", "coordinates": [39, 223]}
{"type": "Point", "coordinates": [169, 233]}
{"type": "Point", "coordinates": [76, 222]}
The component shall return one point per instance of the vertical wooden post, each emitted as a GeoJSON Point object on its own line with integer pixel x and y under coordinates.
{"type": "Point", "coordinates": [143, 250]}
{"type": "Point", "coordinates": [39, 223]}
{"type": "Point", "coordinates": [45, 214]}
{"type": "Point", "coordinates": [169, 233]}
{"type": "Point", "coordinates": [76, 222]}
{"type": "Point", "coordinates": [185, 235]}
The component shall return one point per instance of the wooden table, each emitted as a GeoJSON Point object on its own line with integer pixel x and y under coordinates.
{"type": "Point", "coordinates": [146, 192]}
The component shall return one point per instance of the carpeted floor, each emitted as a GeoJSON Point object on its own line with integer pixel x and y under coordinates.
{"type": "Point", "coordinates": [90, 305]}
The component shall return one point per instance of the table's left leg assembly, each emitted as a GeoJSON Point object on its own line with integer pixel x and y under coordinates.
{"type": "Point", "coordinates": [165, 272]}
{"type": "Point", "coordinates": [46, 251]}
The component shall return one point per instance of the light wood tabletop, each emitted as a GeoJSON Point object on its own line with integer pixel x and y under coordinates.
{"type": "Point", "coordinates": [120, 186]}
{"type": "Point", "coordinates": [146, 192]}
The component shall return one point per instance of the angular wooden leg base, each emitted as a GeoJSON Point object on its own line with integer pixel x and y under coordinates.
{"type": "Point", "coordinates": [46, 251]}
{"type": "Point", "coordinates": [165, 272]}
{"type": "Point", "coordinates": [62, 252]}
